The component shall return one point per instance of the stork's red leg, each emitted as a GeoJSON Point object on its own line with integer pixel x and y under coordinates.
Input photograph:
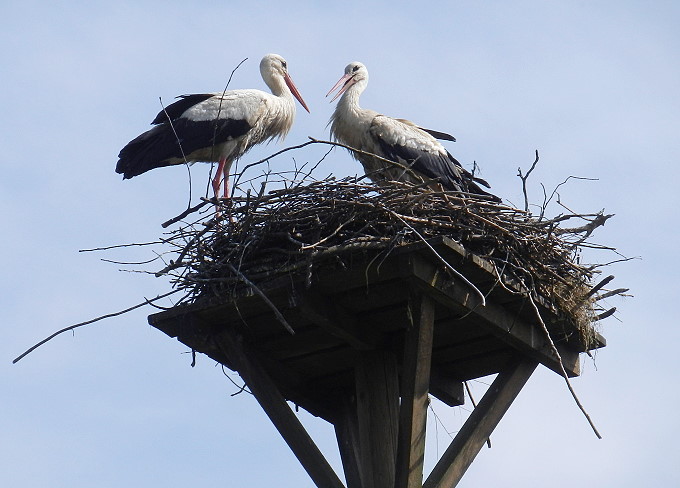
{"type": "Point", "coordinates": [218, 176]}
{"type": "Point", "coordinates": [225, 175]}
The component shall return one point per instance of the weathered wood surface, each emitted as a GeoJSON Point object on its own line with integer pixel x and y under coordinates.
{"type": "Point", "coordinates": [370, 343]}
{"type": "Point", "coordinates": [377, 404]}
{"type": "Point", "coordinates": [365, 308]}
{"type": "Point", "coordinates": [346, 426]}
{"type": "Point", "coordinates": [415, 386]}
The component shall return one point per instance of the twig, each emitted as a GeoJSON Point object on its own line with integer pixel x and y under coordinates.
{"type": "Point", "coordinates": [561, 364]}
{"type": "Point", "coordinates": [405, 168]}
{"type": "Point", "coordinates": [97, 319]}
{"type": "Point", "coordinates": [618, 291]}
{"type": "Point", "coordinates": [177, 263]}
{"type": "Point", "coordinates": [188, 211]}
{"type": "Point", "coordinates": [599, 286]}
{"type": "Point", "coordinates": [179, 143]}
{"type": "Point", "coordinates": [443, 261]}
{"type": "Point", "coordinates": [524, 181]}
{"type": "Point", "coordinates": [606, 314]}
{"type": "Point", "coordinates": [264, 297]}
{"type": "Point", "coordinates": [474, 404]}
{"type": "Point", "coordinates": [116, 246]}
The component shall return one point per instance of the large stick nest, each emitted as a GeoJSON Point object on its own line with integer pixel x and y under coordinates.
{"type": "Point", "coordinates": [308, 224]}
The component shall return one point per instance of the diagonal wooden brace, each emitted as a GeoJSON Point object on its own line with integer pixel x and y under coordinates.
{"type": "Point", "coordinates": [274, 404]}
{"type": "Point", "coordinates": [479, 425]}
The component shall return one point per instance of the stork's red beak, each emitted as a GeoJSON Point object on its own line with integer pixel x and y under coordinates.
{"type": "Point", "coordinates": [343, 83]}
{"type": "Point", "coordinates": [294, 91]}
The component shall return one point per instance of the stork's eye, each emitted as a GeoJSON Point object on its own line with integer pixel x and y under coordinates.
{"type": "Point", "coordinates": [355, 69]}
{"type": "Point", "coordinates": [284, 64]}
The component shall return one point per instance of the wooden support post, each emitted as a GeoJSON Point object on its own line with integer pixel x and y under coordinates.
{"type": "Point", "coordinates": [279, 412]}
{"type": "Point", "coordinates": [347, 433]}
{"type": "Point", "coordinates": [479, 425]}
{"type": "Point", "coordinates": [377, 388]}
{"type": "Point", "coordinates": [415, 383]}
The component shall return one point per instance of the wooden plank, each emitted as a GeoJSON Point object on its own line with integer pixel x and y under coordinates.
{"type": "Point", "coordinates": [307, 340]}
{"type": "Point", "coordinates": [337, 321]}
{"type": "Point", "coordinates": [327, 362]}
{"type": "Point", "coordinates": [279, 412]}
{"type": "Point", "coordinates": [480, 424]}
{"type": "Point", "coordinates": [458, 351]}
{"type": "Point", "coordinates": [377, 394]}
{"type": "Point", "coordinates": [415, 384]}
{"type": "Point", "coordinates": [490, 362]}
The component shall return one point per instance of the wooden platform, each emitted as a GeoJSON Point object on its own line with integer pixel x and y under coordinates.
{"type": "Point", "coordinates": [368, 339]}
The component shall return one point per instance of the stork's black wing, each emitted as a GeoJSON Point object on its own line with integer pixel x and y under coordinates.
{"type": "Point", "coordinates": [176, 109]}
{"type": "Point", "coordinates": [405, 143]}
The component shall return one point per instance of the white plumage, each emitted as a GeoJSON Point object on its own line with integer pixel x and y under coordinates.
{"type": "Point", "coordinates": [216, 127]}
{"type": "Point", "coordinates": [415, 149]}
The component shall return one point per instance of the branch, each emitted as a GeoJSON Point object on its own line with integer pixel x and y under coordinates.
{"type": "Point", "coordinates": [264, 297]}
{"type": "Point", "coordinates": [559, 357]}
{"type": "Point", "coordinates": [524, 181]}
{"type": "Point", "coordinates": [188, 211]}
{"type": "Point", "coordinates": [109, 315]}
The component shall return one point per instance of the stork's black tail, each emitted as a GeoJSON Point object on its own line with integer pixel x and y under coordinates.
{"type": "Point", "coordinates": [470, 183]}
{"type": "Point", "coordinates": [155, 148]}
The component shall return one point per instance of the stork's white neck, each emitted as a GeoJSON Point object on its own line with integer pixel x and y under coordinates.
{"type": "Point", "coordinates": [350, 123]}
{"type": "Point", "coordinates": [285, 103]}
{"type": "Point", "coordinates": [278, 86]}
{"type": "Point", "coordinates": [349, 101]}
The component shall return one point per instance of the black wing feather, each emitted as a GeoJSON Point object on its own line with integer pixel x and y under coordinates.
{"type": "Point", "coordinates": [159, 146]}
{"type": "Point", "coordinates": [428, 164]}
{"type": "Point", "coordinates": [443, 136]}
{"type": "Point", "coordinates": [176, 109]}
{"type": "Point", "coordinates": [445, 169]}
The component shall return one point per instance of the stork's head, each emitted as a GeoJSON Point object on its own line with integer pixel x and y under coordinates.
{"type": "Point", "coordinates": [355, 73]}
{"type": "Point", "coordinates": [273, 69]}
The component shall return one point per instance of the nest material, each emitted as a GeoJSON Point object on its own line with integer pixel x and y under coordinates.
{"type": "Point", "coordinates": [309, 224]}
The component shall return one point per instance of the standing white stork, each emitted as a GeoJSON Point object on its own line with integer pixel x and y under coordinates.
{"type": "Point", "coordinates": [216, 127]}
{"type": "Point", "coordinates": [415, 149]}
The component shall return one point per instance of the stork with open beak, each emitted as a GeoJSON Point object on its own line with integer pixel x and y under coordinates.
{"type": "Point", "coordinates": [216, 127]}
{"type": "Point", "coordinates": [415, 149]}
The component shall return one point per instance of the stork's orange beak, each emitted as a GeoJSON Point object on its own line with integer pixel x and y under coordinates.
{"type": "Point", "coordinates": [294, 91]}
{"type": "Point", "coordinates": [343, 84]}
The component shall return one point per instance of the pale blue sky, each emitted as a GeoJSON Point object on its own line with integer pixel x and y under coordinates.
{"type": "Point", "coordinates": [594, 86]}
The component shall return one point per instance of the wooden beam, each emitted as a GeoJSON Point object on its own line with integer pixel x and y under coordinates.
{"type": "Point", "coordinates": [274, 404]}
{"type": "Point", "coordinates": [377, 388]}
{"type": "Point", "coordinates": [415, 384]}
{"type": "Point", "coordinates": [528, 338]}
{"type": "Point", "coordinates": [448, 390]}
{"type": "Point", "coordinates": [347, 434]}
{"type": "Point", "coordinates": [479, 425]}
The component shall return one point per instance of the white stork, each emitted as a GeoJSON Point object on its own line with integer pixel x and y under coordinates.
{"type": "Point", "coordinates": [415, 149]}
{"type": "Point", "coordinates": [216, 127]}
